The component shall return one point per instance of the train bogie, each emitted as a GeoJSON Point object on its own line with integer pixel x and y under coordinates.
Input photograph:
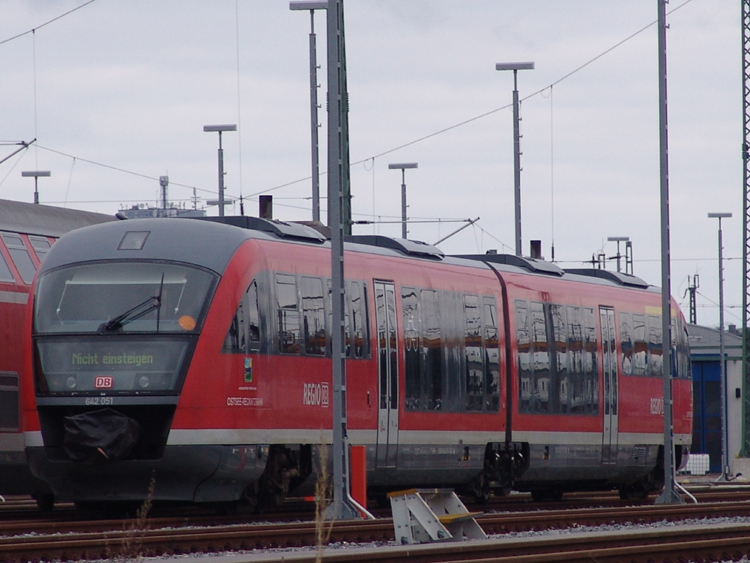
{"type": "Point", "coordinates": [480, 372]}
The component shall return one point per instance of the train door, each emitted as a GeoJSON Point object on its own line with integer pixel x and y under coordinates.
{"type": "Point", "coordinates": [609, 364]}
{"type": "Point", "coordinates": [385, 317]}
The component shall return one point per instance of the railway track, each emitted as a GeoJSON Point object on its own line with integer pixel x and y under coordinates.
{"type": "Point", "coordinates": [110, 539]}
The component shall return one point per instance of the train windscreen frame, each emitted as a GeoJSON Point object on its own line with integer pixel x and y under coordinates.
{"type": "Point", "coordinates": [122, 297]}
{"type": "Point", "coordinates": [118, 327]}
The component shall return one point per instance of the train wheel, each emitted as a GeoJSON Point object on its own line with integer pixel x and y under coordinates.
{"type": "Point", "coordinates": [45, 501]}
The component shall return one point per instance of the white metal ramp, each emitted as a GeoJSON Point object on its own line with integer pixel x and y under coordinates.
{"type": "Point", "coordinates": [432, 515]}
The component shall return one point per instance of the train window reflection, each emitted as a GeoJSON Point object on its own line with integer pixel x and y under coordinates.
{"type": "Point", "coordinates": [121, 297]}
{"type": "Point", "coordinates": [20, 256]}
{"type": "Point", "coordinates": [626, 344]}
{"type": "Point", "coordinates": [244, 331]}
{"type": "Point", "coordinates": [491, 356]}
{"type": "Point", "coordinates": [313, 316]}
{"type": "Point", "coordinates": [5, 273]}
{"type": "Point", "coordinates": [288, 313]}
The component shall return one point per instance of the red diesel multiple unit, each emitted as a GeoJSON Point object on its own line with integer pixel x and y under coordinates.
{"type": "Point", "coordinates": [196, 355]}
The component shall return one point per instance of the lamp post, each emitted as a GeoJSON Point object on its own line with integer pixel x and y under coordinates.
{"type": "Point", "coordinates": [515, 67]}
{"type": "Point", "coordinates": [403, 166]}
{"type": "Point", "coordinates": [312, 6]}
{"type": "Point", "coordinates": [618, 240]}
{"type": "Point", "coordinates": [220, 129]}
{"type": "Point", "coordinates": [724, 424]}
{"type": "Point", "coordinates": [36, 174]}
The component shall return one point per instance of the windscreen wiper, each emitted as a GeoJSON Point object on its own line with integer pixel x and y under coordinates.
{"type": "Point", "coordinates": [140, 310]}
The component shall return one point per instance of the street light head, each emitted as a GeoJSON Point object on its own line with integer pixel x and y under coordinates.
{"type": "Point", "coordinates": [719, 215]}
{"type": "Point", "coordinates": [402, 165]}
{"type": "Point", "coordinates": [298, 5]}
{"type": "Point", "coordinates": [36, 173]}
{"type": "Point", "coordinates": [618, 239]}
{"type": "Point", "coordinates": [219, 128]}
{"type": "Point", "coordinates": [514, 66]}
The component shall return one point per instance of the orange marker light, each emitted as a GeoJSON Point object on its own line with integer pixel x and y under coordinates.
{"type": "Point", "coordinates": [187, 322]}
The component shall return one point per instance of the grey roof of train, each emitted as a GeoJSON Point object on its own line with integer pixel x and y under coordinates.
{"type": "Point", "coordinates": [212, 245]}
{"type": "Point", "coordinates": [45, 220]}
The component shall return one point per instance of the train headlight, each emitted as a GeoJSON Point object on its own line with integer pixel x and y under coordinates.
{"type": "Point", "coordinates": [71, 382]}
{"type": "Point", "coordinates": [144, 382]}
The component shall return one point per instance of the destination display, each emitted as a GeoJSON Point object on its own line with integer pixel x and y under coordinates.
{"type": "Point", "coordinates": [120, 366]}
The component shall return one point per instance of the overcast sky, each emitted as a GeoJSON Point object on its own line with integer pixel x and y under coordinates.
{"type": "Point", "coordinates": [117, 94]}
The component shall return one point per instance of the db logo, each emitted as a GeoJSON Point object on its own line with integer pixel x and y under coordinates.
{"type": "Point", "coordinates": [103, 382]}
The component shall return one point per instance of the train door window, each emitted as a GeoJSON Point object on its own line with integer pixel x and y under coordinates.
{"type": "Point", "coordinates": [5, 274]}
{"type": "Point", "coordinates": [576, 373]}
{"type": "Point", "coordinates": [523, 339]}
{"type": "Point", "coordinates": [358, 301]}
{"type": "Point", "coordinates": [474, 374]}
{"type": "Point", "coordinates": [412, 354]}
{"type": "Point", "coordinates": [20, 255]}
{"type": "Point", "coordinates": [682, 351]}
{"type": "Point", "coordinates": [41, 246]}
{"type": "Point", "coordinates": [288, 314]}
{"type": "Point", "coordinates": [626, 343]}
{"type": "Point", "coordinates": [313, 316]}
{"type": "Point", "coordinates": [244, 331]}
{"type": "Point", "coordinates": [640, 345]}
{"type": "Point", "coordinates": [540, 359]}
{"type": "Point", "coordinates": [560, 376]}
{"type": "Point", "coordinates": [491, 356]}
{"type": "Point", "coordinates": [432, 375]}
{"type": "Point", "coordinates": [655, 358]}
{"type": "Point", "coordinates": [9, 410]}
{"type": "Point", "coordinates": [347, 321]}
{"type": "Point", "coordinates": [590, 364]}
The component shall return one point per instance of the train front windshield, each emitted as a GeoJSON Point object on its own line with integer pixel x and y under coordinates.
{"type": "Point", "coordinates": [119, 327]}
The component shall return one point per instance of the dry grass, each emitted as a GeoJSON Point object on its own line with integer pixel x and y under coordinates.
{"type": "Point", "coordinates": [131, 544]}
{"type": "Point", "coordinates": [323, 491]}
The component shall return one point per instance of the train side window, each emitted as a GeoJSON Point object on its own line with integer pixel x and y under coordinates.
{"type": "Point", "coordinates": [640, 345]}
{"type": "Point", "coordinates": [5, 274]}
{"type": "Point", "coordinates": [491, 356]}
{"type": "Point", "coordinates": [523, 342]}
{"type": "Point", "coordinates": [432, 366]}
{"type": "Point", "coordinates": [313, 316]}
{"type": "Point", "coordinates": [9, 410]}
{"type": "Point", "coordinates": [474, 375]}
{"type": "Point", "coordinates": [540, 388]}
{"type": "Point", "coordinates": [41, 246]}
{"type": "Point", "coordinates": [576, 372]}
{"type": "Point", "coordinates": [590, 364]}
{"type": "Point", "coordinates": [655, 354]}
{"type": "Point", "coordinates": [20, 256]}
{"type": "Point", "coordinates": [559, 375]}
{"type": "Point", "coordinates": [360, 336]}
{"type": "Point", "coordinates": [244, 331]}
{"type": "Point", "coordinates": [626, 343]}
{"type": "Point", "coordinates": [288, 314]}
{"type": "Point", "coordinates": [412, 355]}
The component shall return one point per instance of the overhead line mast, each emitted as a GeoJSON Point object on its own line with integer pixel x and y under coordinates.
{"type": "Point", "coordinates": [745, 450]}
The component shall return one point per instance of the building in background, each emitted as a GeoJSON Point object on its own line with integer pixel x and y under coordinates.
{"type": "Point", "coordinates": [704, 355]}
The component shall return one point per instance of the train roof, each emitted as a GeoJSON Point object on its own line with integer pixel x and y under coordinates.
{"type": "Point", "coordinates": [45, 220]}
{"type": "Point", "coordinates": [213, 241]}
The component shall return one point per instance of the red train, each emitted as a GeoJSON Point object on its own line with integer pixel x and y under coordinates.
{"type": "Point", "coordinates": [27, 232]}
{"type": "Point", "coordinates": [196, 355]}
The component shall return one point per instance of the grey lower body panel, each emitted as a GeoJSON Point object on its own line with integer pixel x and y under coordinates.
{"type": "Point", "coordinates": [183, 473]}
{"type": "Point", "coordinates": [576, 465]}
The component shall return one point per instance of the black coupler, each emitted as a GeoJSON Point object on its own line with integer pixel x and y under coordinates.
{"type": "Point", "coordinates": [100, 436]}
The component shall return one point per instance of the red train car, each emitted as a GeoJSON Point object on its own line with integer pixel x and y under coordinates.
{"type": "Point", "coordinates": [196, 355]}
{"type": "Point", "coordinates": [27, 232]}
